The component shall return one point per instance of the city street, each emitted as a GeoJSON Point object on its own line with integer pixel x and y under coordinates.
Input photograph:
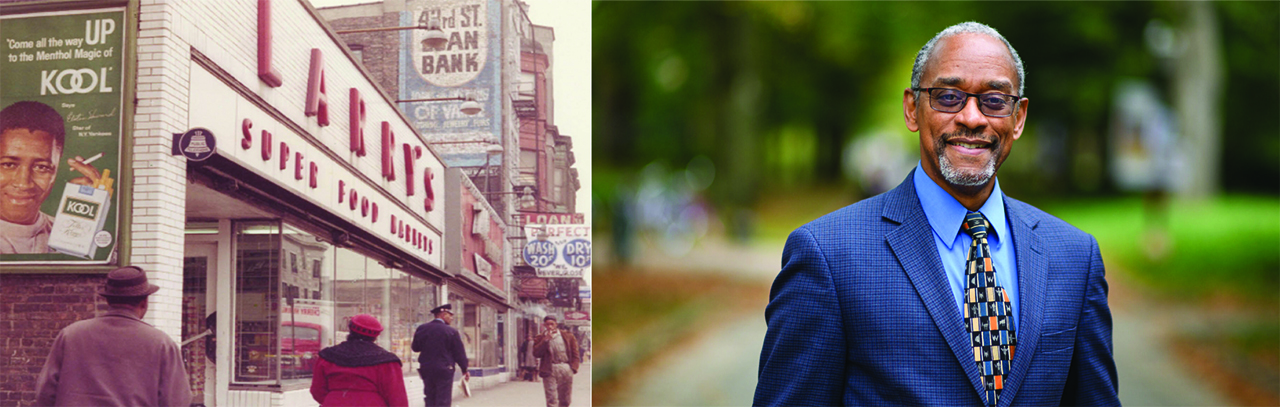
{"type": "Point", "coordinates": [518, 393]}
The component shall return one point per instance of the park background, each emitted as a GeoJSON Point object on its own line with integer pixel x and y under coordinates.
{"type": "Point", "coordinates": [719, 127]}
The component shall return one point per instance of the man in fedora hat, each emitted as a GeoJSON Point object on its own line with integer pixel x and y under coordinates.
{"type": "Point", "coordinates": [115, 359]}
{"type": "Point", "coordinates": [441, 348]}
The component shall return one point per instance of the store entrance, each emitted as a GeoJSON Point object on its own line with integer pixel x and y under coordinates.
{"type": "Point", "coordinates": [207, 291]}
{"type": "Point", "coordinates": [199, 267]}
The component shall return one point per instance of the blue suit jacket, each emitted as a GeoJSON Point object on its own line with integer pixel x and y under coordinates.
{"type": "Point", "coordinates": [861, 314]}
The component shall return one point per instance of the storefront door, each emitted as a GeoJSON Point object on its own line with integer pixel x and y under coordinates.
{"type": "Point", "coordinates": [198, 306]}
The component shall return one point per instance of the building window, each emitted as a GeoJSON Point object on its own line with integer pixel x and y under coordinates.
{"type": "Point", "coordinates": [257, 316]}
{"type": "Point", "coordinates": [283, 319]}
{"type": "Point", "coordinates": [402, 319]}
{"type": "Point", "coordinates": [488, 337]}
{"type": "Point", "coordinates": [377, 296]}
{"type": "Point", "coordinates": [528, 161]}
{"type": "Point", "coordinates": [357, 50]}
{"type": "Point", "coordinates": [460, 320]}
{"type": "Point", "coordinates": [305, 317]}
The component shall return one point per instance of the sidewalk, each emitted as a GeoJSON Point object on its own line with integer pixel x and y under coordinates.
{"type": "Point", "coordinates": [518, 393]}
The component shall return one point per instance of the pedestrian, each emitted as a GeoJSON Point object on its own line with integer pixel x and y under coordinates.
{"type": "Point", "coordinates": [441, 348]}
{"type": "Point", "coordinates": [528, 363]}
{"type": "Point", "coordinates": [943, 291]}
{"type": "Point", "coordinates": [115, 359]}
{"type": "Point", "coordinates": [357, 372]}
{"type": "Point", "coordinates": [559, 352]}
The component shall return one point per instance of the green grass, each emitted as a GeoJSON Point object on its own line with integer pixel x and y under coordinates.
{"type": "Point", "coordinates": [1225, 245]}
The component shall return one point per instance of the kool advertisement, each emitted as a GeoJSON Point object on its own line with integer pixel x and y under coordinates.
{"type": "Point", "coordinates": [467, 65]}
{"type": "Point", "coordinates": [558, 250]}
{"type": "Point", "coordinates": [60, 133]}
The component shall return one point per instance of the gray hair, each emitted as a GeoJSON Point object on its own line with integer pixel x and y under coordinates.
{"type": "Point", "coordinates": [968, 27]}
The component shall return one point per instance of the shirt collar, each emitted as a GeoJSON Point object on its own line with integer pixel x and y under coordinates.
{"type": "Point", "coordinates": [945, 213]}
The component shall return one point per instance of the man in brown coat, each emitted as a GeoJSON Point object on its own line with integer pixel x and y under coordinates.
{"type": "Point", "coordinates": [560, 358]}
{"type": "Point", "coordinates": [115, 359]}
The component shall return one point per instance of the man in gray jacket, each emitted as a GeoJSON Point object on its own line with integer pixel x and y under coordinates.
{"type": "Point", "coordinates": [115, 359]}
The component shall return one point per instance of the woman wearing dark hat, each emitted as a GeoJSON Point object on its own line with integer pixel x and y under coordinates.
{"type": "Point", "coordinates": [358, 372]}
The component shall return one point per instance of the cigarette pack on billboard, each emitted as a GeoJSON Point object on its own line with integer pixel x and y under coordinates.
{"type": "Point", "coordinates": [82, 213]}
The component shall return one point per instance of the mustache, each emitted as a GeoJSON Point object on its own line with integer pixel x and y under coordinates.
{"type": "Point", "coordinates": [969, 133]}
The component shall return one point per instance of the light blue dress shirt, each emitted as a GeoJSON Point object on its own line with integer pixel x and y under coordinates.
{"type": "Point", "coordinates": [946, 214]}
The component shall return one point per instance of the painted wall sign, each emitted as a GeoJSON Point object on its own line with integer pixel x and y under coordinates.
{"type": "Point", "coordinates": [466, 25]}
{"type": "Point", "coordinates": [63, 92]}
{"type": "Point", "coordinates": [468, 65]}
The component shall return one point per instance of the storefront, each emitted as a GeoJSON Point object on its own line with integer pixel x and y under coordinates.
{"type": "Point", "coordinates": [476, 252]}
{"type": "Point", "coordinates": [265, 183]}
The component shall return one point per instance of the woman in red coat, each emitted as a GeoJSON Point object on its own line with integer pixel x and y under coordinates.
{"type": "Point", "coordinates": [358, 372]}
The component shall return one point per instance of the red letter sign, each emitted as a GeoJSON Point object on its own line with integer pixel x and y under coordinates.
{"type": "Point", "coordinates": [388, 147]}
{"type": "Point", "coordinates": [430, 203]}
{"type": "Point", "coordinates": [265, 72]}
{"type": "Point", "coordinates": [357, 122]}
{"type": "Point", "coordinates": [266, 145]}
{"type": "Point", "coordinates": [408, 169]}
{"type": "Point", "coordinates": [284, 155]}
{"type": "Point", "coordinates": [247, 141]}
{"type": "Point", "coordinates": [317, 100]}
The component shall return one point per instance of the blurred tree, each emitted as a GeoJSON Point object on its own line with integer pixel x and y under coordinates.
{"type": "Point", "coordinates": [774, 92]}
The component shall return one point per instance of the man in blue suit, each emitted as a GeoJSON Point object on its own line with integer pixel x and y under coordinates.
{"type": "Point", "coordinates": [441, 348]}
{"type": "Point", "coordinates": [943, 291]}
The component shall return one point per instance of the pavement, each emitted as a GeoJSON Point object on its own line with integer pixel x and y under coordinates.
{"type": "Point", "coordinates": [717, 367]}
{"type": "Point", "coordinates": [517, 393]}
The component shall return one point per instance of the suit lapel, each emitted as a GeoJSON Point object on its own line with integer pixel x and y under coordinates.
{"type": "Point", "coordinates": [1033, 278]}
{"type": "Point", "coordinates": [912, 243]}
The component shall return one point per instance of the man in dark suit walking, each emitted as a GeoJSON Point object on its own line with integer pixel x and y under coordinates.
{"type": "Point", "coordinates": [943, 291]}
{"type": "Point", "coordinates": [441, 348]}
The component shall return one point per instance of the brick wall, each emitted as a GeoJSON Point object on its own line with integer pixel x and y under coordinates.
{"type": "Point", "coordinates": [34, 309]}
{"type": "Point", "coordinates": [381, 49]}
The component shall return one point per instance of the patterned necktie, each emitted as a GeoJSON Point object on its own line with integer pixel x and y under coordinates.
{"type": "Point", "coordinates": [987, 312]}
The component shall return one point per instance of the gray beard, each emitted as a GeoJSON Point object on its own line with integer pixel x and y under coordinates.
{"type": "Point", "coordinates": [955, 176]}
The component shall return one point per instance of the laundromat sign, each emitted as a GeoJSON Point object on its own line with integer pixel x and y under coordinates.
{"type": "Point", "coordinates": [558, 250]}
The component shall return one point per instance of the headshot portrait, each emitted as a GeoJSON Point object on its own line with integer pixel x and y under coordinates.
{"type": "Point", "coordinates": [31, 141]}
{"type": "Point", "coordinates": [32, 138]}
{"type": "Point", "coordinates": [922, 203]}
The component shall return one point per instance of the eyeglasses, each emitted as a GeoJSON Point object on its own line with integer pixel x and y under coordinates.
{"type": "Point", "coordinates": [948, 100]}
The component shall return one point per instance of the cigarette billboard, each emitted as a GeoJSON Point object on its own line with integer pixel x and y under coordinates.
{"type": "Point", "coordinates": [61, 114]}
